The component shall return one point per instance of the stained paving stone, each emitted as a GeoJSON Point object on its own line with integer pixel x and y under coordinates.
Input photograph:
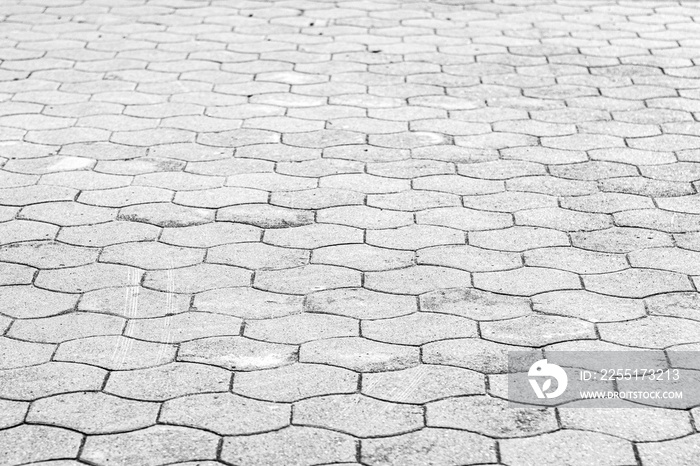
{"type": "Point", "coordinates": [422, 383]}
{"type": "Point", "coordinates": [357, 415]}
{"type": "Point", "coordinates": [476, 354]}
{"type": "Point", "coordinates": [106, 234]}
{"type": "Point", "coordinates": [31, 383]}
{"type": "Point", "coordinates": [47, 254]}
{"type": "Point", "coordinates": [29, 443]}
{"type": "Point", "coordinates": [621, 239]}
{"type": "Point", "coordinates": [165, 214]}
{"type": "Point", "coordinates": [290, 446]}
{"type": "Point", "coordinates": [295, 382]}
{"type": "Point", "coordinates": [360, 303]}
{"type": "Point", "coordinates": [359, 354]}
{"type": "Point", "coordinates": [151, 446]}
{"type": "Point", "coordinates": [475, 304]}
{"type": "Point", "coordinates": [78, 411]}
{"type": "Point", "coordinates": [637, 283]}
{"type": "Point", "coordinates": [265, 216]}
{"type": "Point", "coordinates": [553, 448]}
{"type": "Point", "coordinates": [683, 304]}
{"type": "Point", "coordinates": [429, 446]}
{"type": "Point", "coordinates": [490, 416]}
{"type": "Point", "coordinates": [225, 413]}
{"type": "Point", "coordinates": [237, 353]}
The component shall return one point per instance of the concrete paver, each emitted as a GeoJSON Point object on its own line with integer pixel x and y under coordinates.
{"type": "Point", "coordinates": [300, 232]}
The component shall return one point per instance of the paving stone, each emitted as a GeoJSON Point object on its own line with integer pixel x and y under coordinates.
{"type": "Point", "coordinates": [362, 257]}
{"type": "Point", "coordinates": [47, 254]}
{"type": "Point", "coordinates": [673, 259]}
{"type": "Point", "coordinates": [364, 217]}
{"type": "Point", "coordinates": [67, 213]}
{"type": "Point", "coordinates": [295, 382]}
{"type": "Point", "coordinates": [257, 256]}
{"type": "Point", "coordinates": [39, 381]}
{"type": "Point", "coordinates": [563, 219]}
{"type": "Point", "coordinates": [28, 443]}
{"type": "Point", "coordinates": [26, 302]}
{"type": "Point", "coordinates": [151, 255]}
{"type": "Point", "coordinates": [306, 279]}
{"type": "Point", "coordinates": [464, 219]}
{"type": "Point", "coordinates": [575, 260]}
{"type": "Point", "coordinates": [588, 306]}
{"type": "Point", "coordinates": [476, 354]}
{"type": "Point", "coordinates": [607, 203]}
{"type": "Point", "coordinates": [59, 328]}
{"type": "Point", "coordinates": [197, 278]}
{"type": "Point", "coordinates": [292, 446]}
{"type": "Point", "coordinates": [151, 446]}
{"type": "Point", "coordinates": [115, 352]}
{"type": "Point", "coordinates": [412, 201]}
{"type": "Point", "coordinates": [416, 279]}
{"type": "Point", "coordinates": [79, 411]}
{"type": "Point", "coordinates": [637, 283]}
{"type": "Point", "coordinates": [86, 277]}
{"type": "Point", "coordinates": [639, 425]}
{"type": "Point", "coordinates": [681, 451]}
{"type": "Point", "coordinates": [237, 353]}
{"type": "Point", "coordinates": [429, 446]}
{"type": "Point", "coordinates": [418, 328]}
{"type": "Point", "coordinates": [553, 449]}
{"type": "Point", "coordinates": [265, 216]}
{"type": "Point", "coordinates": [248, 303]}
{"type": "Point", "coordinates": [359, 354]}
{"type": "Point", "coordinates": [414, 237]}
{"type": "Point", "coordinates": [536, 330]}
{"type": "Point", "coordinates": [650, 332]}
{"type": "Point", "coordinates": [164, 214]}
{"type": "Point", "coordinates": [621, 240]}
{"type": "Point", "coordinates": [360, 303]}
{"type": "Point", "coordinates": [13, 413]}
{"type": "Point", "coordinates": [225, 414]}
{"type": "Point", "coordinates": [105, 234]}
{"type": "Point", "coordinates": [210, 234]}
{"type": "Point", "coordinates": [527, 238]}
{"type": "Point", "coordinates": [313, 236]}
{"type": "Point", "coordinates": [182, 327]}
{"type": "Point", "coordinates": [474, 304]}
{"type": "Point", "coordinates": [684, 304]}
{"type": "Point", "coordinates": [17, 353]}
{"type": "Point", "coordinates": [490, 416]}
{"type": "Point", "coordinates": [526, 281]}
{"type": "Point", "coordinates": [15, 274]}
{"type": "Point", "coordinates": [133, 302]}
{"type": "Point", "coordinates": [357, 415]}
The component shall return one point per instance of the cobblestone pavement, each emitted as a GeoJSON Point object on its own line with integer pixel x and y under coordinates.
{"type": "Point", "coordinates": [304, 232]}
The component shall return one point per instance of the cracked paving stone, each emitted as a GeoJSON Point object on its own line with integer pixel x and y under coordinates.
{"type": "Point", "coordinates": [93, 412]}
{"type": "Point", "coordinates": [588, 306]}
{"type": "Point", "coordinates": [412, 201]}
{"type": "Point", "coordinates": [475, 304]}
{"type": "Point", "coordinates": [237, 353]}
{"type": "Point", "coordinates": [358, 415]}
{"type": "Point", "coordinates": [295, 382]}
{"type": "Point", "coordinates": [115, 352]}
{"type": "Point", "coordinates": [33, 194]}
{"type": "Point", "coordinates": [362, 257]}
{"type": "Point", "coordinates": [225, 413]}
{"type": "Point", "coordinates": [359, 354]}
{"type": "Point", "coordinates": [469, 258]}
{"type": "Point", "coordinates": [123, 197]}
{"type": "Point", "coordinates": [292, 446]}
{"type": "Point", "coordinates": [169, 381]}
{"type": "Point", "coordinates": [300, 328]}
{"type": "Point", "coordinates": [490, 416]}
{"type": "Point", "coordinates": [429, 446]}
{"type": "Point", "coordinates": [637, 283]}
{"type": "Point", "coordinates": [553, 449]}
{"type": "Point", "coordinates": [526, 281]}
{"type": "Point", "coordinates": [151, 446]}
{"type": "Point", "coordinates": [51, 378]}
{"type": "Point", "coordinates": [248, 303]}
{"type": "Point", "coordinates": [418, 328]}
{"type": "Point", "coordinates": [360, 303]}
{"type": "Point", "coordinates": [422, 384]}
{"type": "Point", "coordinates": [29, 443]}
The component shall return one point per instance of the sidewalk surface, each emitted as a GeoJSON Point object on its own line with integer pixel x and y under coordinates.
{"type": "Point", "coordinates": [306, 232]}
